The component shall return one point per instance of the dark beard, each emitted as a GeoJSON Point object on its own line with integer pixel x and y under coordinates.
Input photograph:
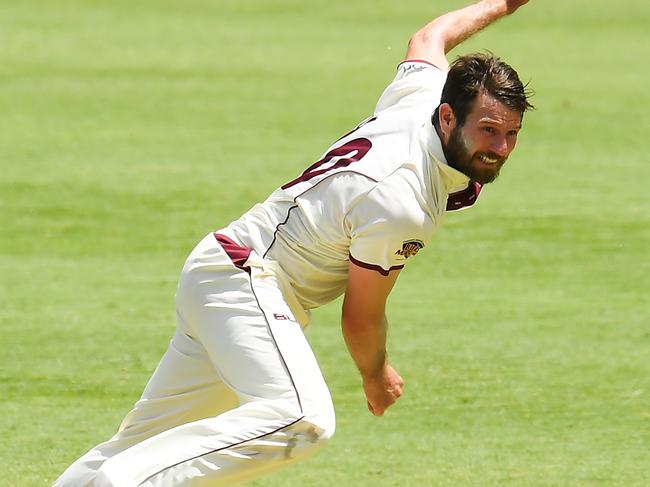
{"type": "Point", "coordinates": [459, 157]}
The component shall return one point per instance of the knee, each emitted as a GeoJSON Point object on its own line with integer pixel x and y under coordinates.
{"type": "Point", "coordinates": [324, 428]}
{"type": "Point", "coordinates": [311, 427]}
{"type": "Point", "coordinates": [320, 415]}
{"type": "Point", "coordinates": [323, 419]}
{"type": "Point", "coordinates": [316, 435]}
{"type": "Point", "coordinates": [307, 426]}
{"type": "Point", "coordinates": [317, 429]}
{"type": "Point", "coordinates": [302, 440]}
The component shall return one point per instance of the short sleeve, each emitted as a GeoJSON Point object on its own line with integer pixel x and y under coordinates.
{"type": "Point", "coordinates": [386, 230]}
{"type": "Point", "coordinates": [416, 82]}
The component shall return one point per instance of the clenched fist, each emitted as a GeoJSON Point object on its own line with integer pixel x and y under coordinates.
{"type": "Point", "coordinates": [382, 390]}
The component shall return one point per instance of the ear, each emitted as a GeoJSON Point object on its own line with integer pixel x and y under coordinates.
{"type": "Point", "coordinates": [447, 120]}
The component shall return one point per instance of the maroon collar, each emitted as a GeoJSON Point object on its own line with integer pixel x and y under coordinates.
{"type": "Point", "coordinates": [464, 198]}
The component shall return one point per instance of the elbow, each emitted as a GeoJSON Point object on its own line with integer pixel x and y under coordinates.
{"type": "Point", "coordinates": [428, 42]}
{"type": "Point", "coordinates": [349, 320]}
{"type": "Point", "coordinates": [354, 322]}
{"type": "Point", "coordinates": [420, 41]}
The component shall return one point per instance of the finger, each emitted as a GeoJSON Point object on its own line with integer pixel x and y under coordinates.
{"type": "Point", "coordinates": [396, 389]}
{"type": "Point", "coordinates": [389, 399]}
{"type": "Point", "coordinates": [375, 411]}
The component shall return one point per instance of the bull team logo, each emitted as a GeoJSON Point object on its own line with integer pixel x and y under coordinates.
{"type": "Point", "coordinates": [409, 248]}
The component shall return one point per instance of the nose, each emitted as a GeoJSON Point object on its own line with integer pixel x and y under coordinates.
{"type": "Point", "coordinates": [500, 147]}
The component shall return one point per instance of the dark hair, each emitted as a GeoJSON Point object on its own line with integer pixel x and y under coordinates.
{"type": "Point", "coordinates": [472, 74]}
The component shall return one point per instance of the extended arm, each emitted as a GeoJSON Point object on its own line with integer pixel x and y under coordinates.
{"type": "Point", "coordinates": [441, 35]}
{"type": "Point", "coordinates": [364, 327]}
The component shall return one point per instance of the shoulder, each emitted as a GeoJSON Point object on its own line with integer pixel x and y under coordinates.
{"type": "Point", "coordinates": [388, 225]}
{"type": "Point", "coordinates": [396, 204]}
{"type": "Point", "coordinates": [416, 81]}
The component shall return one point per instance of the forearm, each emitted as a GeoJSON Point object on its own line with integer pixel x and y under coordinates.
{"type": "Point", "coordinates": [366, 342]}
{"type": "Point", "coordinates": [441, 35]}
{"type": "Point", "coordinates": [364, 327]}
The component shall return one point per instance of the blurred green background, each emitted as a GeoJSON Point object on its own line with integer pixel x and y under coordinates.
{"type": "Point", "coordinates": [128, 130]}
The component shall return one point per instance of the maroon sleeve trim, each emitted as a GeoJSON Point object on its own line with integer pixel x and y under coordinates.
{"type": "Point", "coordinates": [374, 267]}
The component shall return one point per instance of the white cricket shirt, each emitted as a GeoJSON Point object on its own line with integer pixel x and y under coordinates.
{"type": "Point", "coordinates": [375, 197]}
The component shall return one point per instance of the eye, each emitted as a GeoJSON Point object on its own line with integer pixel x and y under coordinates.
{"type": "Point", "coordinates": [488, 129]}
{"type": "Point", "coordinates": [513, 133]}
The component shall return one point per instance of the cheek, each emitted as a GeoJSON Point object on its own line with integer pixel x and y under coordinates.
{"type": "Point", "coordinates": [512, 144]}
{"type": "Point", "coordinates": [472, 141]}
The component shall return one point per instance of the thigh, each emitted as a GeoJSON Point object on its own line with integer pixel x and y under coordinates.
{"type": "Point", "coordinates": [253, 340]}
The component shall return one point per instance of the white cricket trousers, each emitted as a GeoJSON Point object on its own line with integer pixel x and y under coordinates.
{"type": "Point", "coordinates": [237, 394]}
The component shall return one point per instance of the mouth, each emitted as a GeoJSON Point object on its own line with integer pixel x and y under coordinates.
{"type": "Point", "coordinates": [488, 160]}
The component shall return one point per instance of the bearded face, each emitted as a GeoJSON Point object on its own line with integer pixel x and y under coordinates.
{"type": "Point", "coordinates": [483, 167]}
{"type": "Point", "coordinates": [481, 145]}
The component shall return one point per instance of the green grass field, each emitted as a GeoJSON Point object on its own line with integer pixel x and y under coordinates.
{"type": "Point", "coordinates": [128, 130]}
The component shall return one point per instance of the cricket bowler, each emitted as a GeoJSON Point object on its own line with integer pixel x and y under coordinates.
{"type": "Point", "coordinates": [238, 393]}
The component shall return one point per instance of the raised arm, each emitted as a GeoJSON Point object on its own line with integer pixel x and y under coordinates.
{"type": "Point", "coordinates": [364, 328]}
{"type": "Point", "coordinates": [442, 34]}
